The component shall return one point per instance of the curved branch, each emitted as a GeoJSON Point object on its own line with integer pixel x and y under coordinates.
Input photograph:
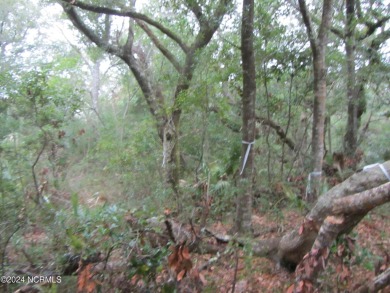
{"type": "Point", "coordinates": [308, 24]}
{"type": "Point", "coordinates": [196, 10]}
{"type": "Point", "coordinates": [279, 131]}
{"type": "Point", "coordinates": [160, 46]}
{"type": "Point", "coordinates": [372, 27]}
{"type": "Point", "coordinates": [125, 54]}
{"type": "Point", "coordinates": [202, 39]}
{"type": "Point", "coordinates": [262, 120]}
{"type": "Point", "coordinates": [79, 24]}
{"type": "Point", "coordinates": [131, 14]}
{"type": "Point", "coordinates": [362, 202]}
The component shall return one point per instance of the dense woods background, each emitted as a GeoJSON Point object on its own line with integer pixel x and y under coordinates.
{"type": "Point", "coordinates": [195, 145]}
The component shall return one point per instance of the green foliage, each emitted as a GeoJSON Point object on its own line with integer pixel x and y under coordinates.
{"type": "Point", "coordinates": [92, 231]}
{"type": "Point", "coordinates": [150, 265]}
{"type": "Point", "coordinates": [79, 155]}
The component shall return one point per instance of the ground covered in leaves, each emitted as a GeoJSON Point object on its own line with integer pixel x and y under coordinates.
{"type": "Point", "coordinates": [354, 260]}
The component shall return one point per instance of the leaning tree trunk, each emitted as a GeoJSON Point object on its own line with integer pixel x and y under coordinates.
{"type": "Point", "coordinates": [346, 213]}
{"type": "Point", "coordinates": [295, 244]}
{"type": "Point", "coordinates": [244, 201]}
{"type": "Point", "coordinates": [336, 212]}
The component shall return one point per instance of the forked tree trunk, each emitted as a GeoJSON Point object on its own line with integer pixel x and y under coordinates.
{"type": "Point", "coordinates": [345, 214]}
{"type": "Point", "coordinates": [318, 47]}
{"type": "Point", "coordinates": [295, 244]}
{"type": "Point", "coordinates": [167, 123]}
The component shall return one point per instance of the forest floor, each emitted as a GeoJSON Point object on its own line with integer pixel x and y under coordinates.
{"type": "Point", "coordinates": [354, 260]}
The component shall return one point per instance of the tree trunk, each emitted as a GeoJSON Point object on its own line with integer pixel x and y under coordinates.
{"type": "Point", "coordinates": [295, 244]}
{"type": "Point", "coordinates": [243, 222]}
{"type": "Point", "coordinates": [318, 47]}
{"type": "Point", "coordinates": [95, 85]}
{"type": "Point", "coordinates": [346, 213]}
{"type": "Point", "coordinates": [336, 212]}
{"type": "Point", "coordinates": [171, 154]}
{"type": "Point", "coordinates": [380, 282]}
{"type": "Point", "coordinates": [133, 55]}
{"type": "Point", "coordinates": [319, 113]}
{"type": "Point", "coordinates": [350, 139]}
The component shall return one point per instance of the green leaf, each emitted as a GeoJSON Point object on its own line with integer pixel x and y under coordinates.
{"type": "Point", "coordinates": [74, 199]}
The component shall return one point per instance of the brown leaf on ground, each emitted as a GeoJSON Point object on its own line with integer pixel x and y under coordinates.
{"type": "Point", "coordinates": [180, 260]}
{"type": "Point", "coordinates": [85, 281]}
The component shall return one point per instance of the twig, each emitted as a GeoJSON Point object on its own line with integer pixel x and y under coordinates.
{"type": "Point", "coordinates": [235, 270]}
{"type": "Point", "coordinates": [38, 192]}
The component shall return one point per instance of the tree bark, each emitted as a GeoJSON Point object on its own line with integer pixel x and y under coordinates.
{"type": "Point", "coordinates": [243, 220]}
{"type": "Point", "coordinates": [356, 80]}
{"type": "Point", "coordinates": [294, 245]}
{"type": "Point", "coordinates": [380, 282]}
{"type": "Point", "coordinates": [336, 212]}
{"type": "Point", "coordinates": [346, 213]}
{"type": "Point", "coordinates": [290, 249]}
{"type": "Point", "coordinates": [350, 139]}
{"type": "Point", "coordinates": [318, 47]}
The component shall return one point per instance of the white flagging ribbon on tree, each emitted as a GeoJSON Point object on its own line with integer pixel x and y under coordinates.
{"type": "Point", "coordinates": [248, 149]}
{"type": "Point", "coordinates": [308, 187]}
{"type": "Point", "coordinates": [380, 166]}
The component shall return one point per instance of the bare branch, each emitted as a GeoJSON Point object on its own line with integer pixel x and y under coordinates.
{"type": "Point", "coordinates": [362, 202]}
{"type": "Point", "coordinates": [337, 32]}
{"type": "Point", "coordinates": [196, 10]}
{"type": "Point", "coordinates": [132, 14]}
{"type": "Point", "coordinates": [160, 46]}
{"type": "Point", "coordinates": [279, 131]}
{"type": "Point", "coordinates": [372, 27]}
{"type": "Point", "coordinates": [308, 24]}
{"type": "Point", "coordinates": [79, 24]}
{"type": "Point", "coordinates": [325, 22]}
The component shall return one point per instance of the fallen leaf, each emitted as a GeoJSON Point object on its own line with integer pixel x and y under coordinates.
{"type": "Point", "coordinates": [181, 275]}
{"type": "Point", "coordinates": [335, 220]}
{"type": "Point", "coordinates": [85, 281]}
{"type": "Point", "coordinates": [291, 289]}
{"type": "Point", "coordinates": [202, 279]}
{"type": "Point", "coordinates": [301, 229]}
{"type": "Point", "coordinates": [185, 252]}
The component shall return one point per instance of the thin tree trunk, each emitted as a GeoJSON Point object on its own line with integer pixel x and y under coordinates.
{"type": "Point", "coordinates": [95, 85]}
{"type": "Point", "coordinates": [244, 200]}
{"type": "Point", "coordinates": [318, 47]}
{"type": "Point", "coordinates": [350, 139]}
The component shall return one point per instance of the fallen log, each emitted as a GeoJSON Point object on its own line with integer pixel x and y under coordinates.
{"type": "Point", "coordinates": [345, 211]}
{"type": "Point", "coordinates": [379, 282]}
{"type": "Point", "coordinates": [353, 198]}
{"type": "Point", "coordinates": [294, 245]}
